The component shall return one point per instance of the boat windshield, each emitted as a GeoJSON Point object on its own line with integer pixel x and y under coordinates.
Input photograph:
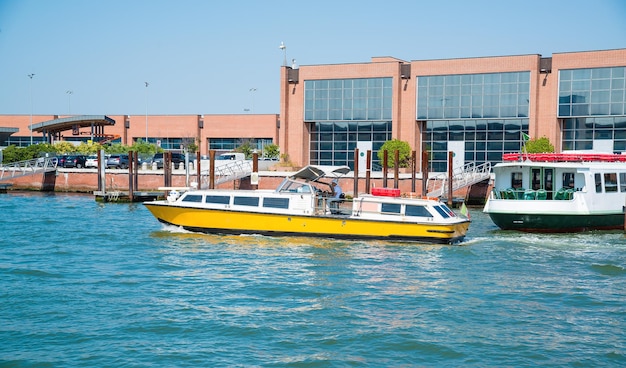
{"type": "Point", "coordinates": [292, 186]}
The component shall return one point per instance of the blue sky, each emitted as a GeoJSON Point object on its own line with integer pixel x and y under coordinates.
{"type": "Point", "coordinates": [204, 57]}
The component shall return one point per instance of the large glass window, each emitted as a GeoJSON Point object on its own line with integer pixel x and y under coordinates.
{"type": "Point", "coordinates": [592, 92]}
{"type": "Point", "coordinates": [342, 112]}
{"type": "Point", "coordinates": [579, 133]}
{"type": "Point", "coordinates": [488, 112]}
{"type": "Point", "coordinates": [333, 143]}
{"type": "Point", "coordinates": [229, 144]}
{"type": "Point", "coordinates": [347, 99]}
{"type": "Point", "coordinates": [494, 95]}
{"type": "Point", "coordinates": [484, 140]}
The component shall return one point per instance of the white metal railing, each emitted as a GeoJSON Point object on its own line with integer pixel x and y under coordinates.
{"type": "Point", "coordinates": [469, 174]}
{"type": "Point", "coordinates": [230, 171]}
{"type": "Point", "coordinates": [28, 167]}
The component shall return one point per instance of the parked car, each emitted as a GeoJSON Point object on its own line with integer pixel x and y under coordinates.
{"type": "Point", "coordinates": [177, 158]}
{"type": "Point", "coordinates": [92, 161]}
{"type": "Point", "coordinates": [77, 161]}
{"type": "Point", "coordinates": [61, 160]}
{"type": "Point", "coordinates": [117, 161]}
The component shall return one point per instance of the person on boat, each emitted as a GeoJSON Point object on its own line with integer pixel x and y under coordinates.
{"type": "Point", "coordinates": [337, 192]}
{"type": "Point", "coordinates": [337, 196]}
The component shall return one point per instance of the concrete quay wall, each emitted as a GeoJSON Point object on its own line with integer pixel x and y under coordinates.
{"type": "Point", "coordinates": [86, 181]}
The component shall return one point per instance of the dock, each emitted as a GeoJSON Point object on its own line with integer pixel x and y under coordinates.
{"type": "Point", "coordinates": [124, 197]}
{"type": "Point", "coordinates": [4, 187]}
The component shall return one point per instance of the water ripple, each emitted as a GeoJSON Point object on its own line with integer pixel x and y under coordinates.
{"type": "Point", "coordinates": [119, 289]}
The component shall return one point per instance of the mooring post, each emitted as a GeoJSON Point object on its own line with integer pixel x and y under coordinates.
{"type": "Point", "coordinates": [356, 173]}
{"type": "Point", "coordinates": [131, 166]}
{"type": "Point", "coordinates": [385, 155]}
{"type": "Point", "coordinates": [424, 173]}
{"type": "Point", "coordinates": [396, 169]}
{"type": "Point", "coordinates": [450, 157]}
{"type": "Point", "coordinates": [198, 170]}
{"type": "Point", "coordinates": [368, 169]}
{"type": "Point", "coordinates": [211, 169]}
{"type": "Point", "coordinates": [413, 163]}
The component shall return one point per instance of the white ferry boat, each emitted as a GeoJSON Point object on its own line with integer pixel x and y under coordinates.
{"type": "Point", "coordinates": [563, 192]}
{"type": "Point", "coordinates": [302, 206]}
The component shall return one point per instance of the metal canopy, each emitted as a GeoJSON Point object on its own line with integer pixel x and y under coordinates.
{"type": "Point", "coordinates": [5, 133]}
{"type": "Point", "coordinates": [63, 124]}
{"type": "Point", "coordinates": [315, 172]}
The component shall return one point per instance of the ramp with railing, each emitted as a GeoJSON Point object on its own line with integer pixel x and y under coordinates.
{"type": "Point", "coordinates": [28, 167]}
{"type": "Point", "coordinates": [462, 177]}
{"type": "Point", "coordinates": [226, 171]}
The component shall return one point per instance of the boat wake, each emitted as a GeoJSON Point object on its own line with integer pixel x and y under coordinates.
{"type": "Point", "coordinates": [593, 239]}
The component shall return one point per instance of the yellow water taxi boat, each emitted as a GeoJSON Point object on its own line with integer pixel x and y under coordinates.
{"type": "Point", "coordinates": [302, 206]}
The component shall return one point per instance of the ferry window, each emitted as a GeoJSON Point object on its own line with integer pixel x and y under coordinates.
{"type": "Point", "coordinates": [276, 202]}
{"type": "Point", "coordinates": [192, 198]}
{"type": "Point", "coordinates": [516, 180]}
{"type": "Point", "coordinates": [390, 208]}
{"type": "Point", "coordinates": [417, 211]}
{"type": "Point", "coordinates": [622, 182]}
{"type": "Point", "coordinates": [217, 199]}
{"type": "Point", "coordinates": [442, 212]}
{"type": "Point", "coordinates": [246, 201]}
{"type": "Point", "coordinates": [548, 175]}
{"type": "Point", "coordinates": [568, 180]}
{"type": "Point", "coordinates": [610, 182]}
{"type": "Point", "coordinates": [536, 179]}
{"type": "Point", "coordinates": [598, 180]}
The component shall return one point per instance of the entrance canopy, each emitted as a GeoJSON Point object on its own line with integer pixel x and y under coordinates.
{"type": "Point", "coordinates": [71, 123]}
{"type": "Point", "coordinates": [5, 133]}
{"type": "Point", "coordinates": [52, 129]}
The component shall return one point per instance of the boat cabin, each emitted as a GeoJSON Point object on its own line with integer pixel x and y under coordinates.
{"type": "Point", "coordinates": [558, 177]}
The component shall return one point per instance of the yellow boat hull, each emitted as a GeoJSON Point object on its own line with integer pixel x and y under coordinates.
{"type": "Point", "coordinates": [236, 222]}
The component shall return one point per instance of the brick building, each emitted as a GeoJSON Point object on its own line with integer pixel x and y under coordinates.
{"type": "Point", "coordinates": [479, 108]}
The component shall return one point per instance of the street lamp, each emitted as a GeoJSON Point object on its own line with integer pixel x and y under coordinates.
{"type": "Point", "coordinates": [69, 102]}
{"type": "Point", "coordinates": [147, 84]}
{"type": "Point", "coordinates": [31, 106]}
{"type": "Point", "coordinates": [284, 48]}
{"type": "Point", "coordinates": [252, 90]}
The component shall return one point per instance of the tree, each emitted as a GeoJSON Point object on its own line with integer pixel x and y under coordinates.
{"type": "Point", "coordinates": [246, 148]}
{"type": "Point", "coordinates": [539, 145]}
{"type": "Point", "coordinates": [271, 151]}
{"type": "Point", "coordinates": [64, 147]}
{"type": "Point", "coordinates": [404, 152]}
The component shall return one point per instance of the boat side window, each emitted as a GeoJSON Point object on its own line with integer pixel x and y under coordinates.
{"type": "Point", "coordinates": [276, 203]}
{"type": "Point", "coordinates": [218, 199]}
{"type": "Point", "coordinates": [197, 198]}
{"type": "Point", "coordinates": [393, 208]}
{"type": "Point", "coordinates": [598, 180]}
{"type": "Point", "coordinates": [568, 180]}
{"type": "Point", "coordinates": [610, 182]}
{"type": "Point", "coordinates": [622, 182]}
{"type": "Point", "coordinates": [450, 212]}
{"type": "Point", "coordinates": [442, 212]}
{"type": "Point", "coordinates": [420, 211]}
{"type": "Point", "coordinates": [516, 180]}
{"type": "Point", "coordinates": [246, 201]}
